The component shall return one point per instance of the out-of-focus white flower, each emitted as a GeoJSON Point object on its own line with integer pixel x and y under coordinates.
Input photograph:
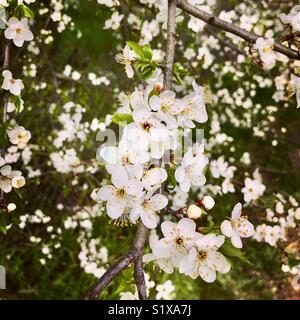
{"type": "Point", "coordinates": [253, 189]}
{"type": "Point", "coordinates": [165, 290]}
{"type": "Point", "coordinates": [4, 3]}
{"type": "Point", "coordinates": [19, 136]}
{"type": "Point", "coordinates": [266, 52]}
{"type": "Point", "coordinates": [10, 179]}
{"type": "Point", "coordinates": [14, 86]}
{"type": "Point", "coordinates": [114, 21]}
{"type": "Point", "coordinates": [18, 31]}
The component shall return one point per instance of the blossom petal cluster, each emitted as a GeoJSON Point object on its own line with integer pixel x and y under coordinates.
{"type": "Point", "coordinates": [150, 137]}
{"type": "Point", "coordinates": [192, 253]}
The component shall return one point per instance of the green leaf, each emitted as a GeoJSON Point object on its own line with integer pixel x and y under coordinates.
{"type": "Point", "coordinates": [179, 71]}
{"type": "Point", "coordinates": [120, 118]}
{"type": "Point", "coordinates": [230, 251]}
{"type": "Point", "coordinates": [147, 71]}
{"type": "Point", "coordinates": [24, 11]}
{"type": "Point", "coordinates": [136, 48]}
{"type": "Point", "coordinates": [147, 52]}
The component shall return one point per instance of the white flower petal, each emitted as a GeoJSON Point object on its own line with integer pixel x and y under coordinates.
{"type": "Point", "coordinates": [236, 240]}
{"type": "Point", "coordinates": [106, 193]}
{"type": "Point", "coordinates": [115, 208]}
{"type": "Point", "coordinates": [226, 228]}
{"type": "Point", "coordinates": [158, 202]}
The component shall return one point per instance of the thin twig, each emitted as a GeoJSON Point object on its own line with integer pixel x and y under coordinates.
{"type": "Point", "coordinates": [226, 26]}
{"type": "Point", "coordinates": [170, 50]}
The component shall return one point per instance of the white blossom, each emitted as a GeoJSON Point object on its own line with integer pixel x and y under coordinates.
{"type": "Point", "coordinates": [204, 259]}
{"type": "Point", "coordinates": [237, 227]}
{"type": "Point", "coordinates": [19, 136]}
{"type": "Point", "coordinates": [190, 172]}
{"type": "Point", "coordinates": [14, 86]}
{"type": "Point", "coordinates": [266, 52]}
{"type": "Point", "coordinates": [121, 195]}
{"type": "Point", "coordinates": [148, 208]}
{"type": "Point", "coordinates": [126, 58]}
{"type": "Point", "coordinates": [18, 31]}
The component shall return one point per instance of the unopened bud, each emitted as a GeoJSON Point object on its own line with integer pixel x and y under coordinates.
{"type": "Point", "coordinates": [158, 87]}
{"type": "Point", "coordinates": [207, 202]}
{"type": "Point", "coordinates": [194, 212]}
{"type": "Point", "coordinates": [11, 207]}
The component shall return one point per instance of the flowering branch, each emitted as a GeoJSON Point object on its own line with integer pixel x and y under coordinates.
{"type": "Point", "coordinates": [6, 95]}
{"type": "Point", "coordinates": [226, 26]}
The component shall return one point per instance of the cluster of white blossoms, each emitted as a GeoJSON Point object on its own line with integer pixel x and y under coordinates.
{"type": "Point", "coordinates": [221, 168]}
{"type": "Point", "coordinates": [157, 118]}
{"type": "Point", "coordinates": [17, 31]}
{"type": "Point", "coordinates": [279, 220]}
{"type": "Point", "coordinates": [195, 254]}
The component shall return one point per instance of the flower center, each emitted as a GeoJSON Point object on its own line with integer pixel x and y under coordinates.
{"type": "Point", "coordinates": [125, 160]}
{"type": "Point", "coordinates": [165, 107]}
{"type": "Point", "coordinates": [202, 255]}
{"type": "Point", "coordinates": [18, 30]}
{"type": "Point", "coordinates": [179, 241]}
{"type": "Point", "coordinates": [146, 126]}
{"type": "Point", "coordinates": [267, 50]}
{"type": "Point", "coordinates": [121, 193]}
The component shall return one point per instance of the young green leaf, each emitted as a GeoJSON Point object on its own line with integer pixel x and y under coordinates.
{"type": "Point", "coordinates": [23, 11]}
{"type": "Point", "coordinates": [147, 52]}
{"type": "Point", "coordinates": [120, 118]}
{"type": "Point", "coordinates": [230, 251]}
{"type": "Point", "coordinates": [136, 48]}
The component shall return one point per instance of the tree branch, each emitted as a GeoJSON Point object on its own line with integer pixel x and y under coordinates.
{"type": "Point", "coordinates": [6, 95]}
{"type": "Point", "coordinates": [170, 50]}
{"type": "Point", "coordinates": [140, 278]}
{"type": "Point", "coordinates": [226, 26]}
{"type": "Point", "coordinates": [115, 269]}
